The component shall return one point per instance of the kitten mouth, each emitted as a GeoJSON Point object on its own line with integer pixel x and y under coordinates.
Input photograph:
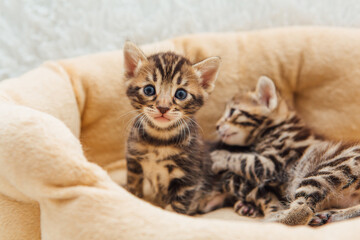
{"type": "Point", "coordinates": [226, 136]}
{"type": "Point", "coordinates": [162, 119]}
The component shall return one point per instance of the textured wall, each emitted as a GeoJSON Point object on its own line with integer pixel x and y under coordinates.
{"type": "Point", "coordinates": [32, 31]}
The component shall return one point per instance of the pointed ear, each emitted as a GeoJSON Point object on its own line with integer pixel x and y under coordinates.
{"type": "Point", "coordinates": [133, 59]}
{"type": "Point", "coordinates": [266, 93]}
{"type": "Point", "coordinates": [208, 70]}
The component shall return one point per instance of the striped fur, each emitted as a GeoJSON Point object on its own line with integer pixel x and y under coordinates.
{"type": "Point", "coordinates": [168, 153]}
{"type": "Point", "coordinates": [286, 162]}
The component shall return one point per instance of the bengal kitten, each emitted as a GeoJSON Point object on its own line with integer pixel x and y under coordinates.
{"type": "Point", "coordinates": [164, 146]}
{"type": "Point", "coordinates": [287, 160]}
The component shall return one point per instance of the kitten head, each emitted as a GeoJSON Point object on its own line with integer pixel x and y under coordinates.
{"type": "Point", "coordinates": [167, 87]}
{"type": "Point", "coordinates": [246, 113]}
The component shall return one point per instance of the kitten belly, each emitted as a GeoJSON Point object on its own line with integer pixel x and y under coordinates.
{"type": "Point", "coordinates": [158, 172]}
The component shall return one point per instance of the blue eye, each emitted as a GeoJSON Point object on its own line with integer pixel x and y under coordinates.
{"type": "Point", "coordinates": [149, 90]}
{"type": "Point", "coordinates": [180, 94]}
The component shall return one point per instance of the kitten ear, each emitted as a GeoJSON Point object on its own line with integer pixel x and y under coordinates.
{"type": "Point", "coordinates": [208, 70]}
{"type": "Point", "coordinates": [266, 93]}
{"type": "Point", "coordinates": [133, 58]}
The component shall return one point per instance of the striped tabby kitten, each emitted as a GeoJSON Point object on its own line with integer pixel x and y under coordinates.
{"type": "Point", "coordinates": [164, 146]}
{"type": "Point", "coordinates": [286, 158]}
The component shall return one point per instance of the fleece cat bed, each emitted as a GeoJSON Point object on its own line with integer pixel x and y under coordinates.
{"type": "Point", "coordinates": [63, 131]}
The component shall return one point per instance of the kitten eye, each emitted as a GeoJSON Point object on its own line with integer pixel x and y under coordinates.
{"type": "Point", "coordinates": [232, 110]}
{"type": "Point", "coordinates": [180, 94]}
{"type": "Point", "coordinates": [149, 90]}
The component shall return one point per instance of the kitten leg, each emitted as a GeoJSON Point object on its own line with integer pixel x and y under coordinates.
{"type": "Point", "coordinates": [311, 192]}
{"type": "Point", "coordinates": [235, 185]}
{"type": "Point", "coordinates": [135, 177]}
{"type": "Point", "coordinates": [220, 160]}
{"type": "Point", "coordinates": [211, 201]}
{"type": "Point", "coordinates": [252, 166]}
{"type": "Point", "coordinates": [253, 201]}
{"type": "Point", "coordinates": [247, 205]}
{"type": "Point", "coordinates": [247, 209]}
{"type": "Point", "coordinates": [298, 214]}
{"type": "Point", "coordinates": [321, 218]}
{"type": "Point", "coordinates": [259, 202]}
{"type": "Point", "coordinates": [268, 202]}
{"type": "Point", "coordinates": [336, 215]}
{"type": "Point", "coordinates": [183, 194]}
{"type": "Point", "coordinates": [331, 177]}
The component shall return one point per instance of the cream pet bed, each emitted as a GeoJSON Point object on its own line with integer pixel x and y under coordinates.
{"type": "Point", "coordinates": [64, 122]}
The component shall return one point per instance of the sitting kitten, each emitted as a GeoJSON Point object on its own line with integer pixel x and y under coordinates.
{"type": "Point", "coordinates": [164, 146]}
{"type": "Point", "coordinates": [311, 173]}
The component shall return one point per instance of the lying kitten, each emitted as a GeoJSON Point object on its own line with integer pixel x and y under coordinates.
{"type": "Point", "coordinates": [311, 173]}
{"type": "Point", "coordinates": [164, 146]}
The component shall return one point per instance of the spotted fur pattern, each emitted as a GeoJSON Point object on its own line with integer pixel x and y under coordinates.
{"type": "Point", "coordinates": [290, 175]}
{"type": "Point", "coordinates": [169, 154]}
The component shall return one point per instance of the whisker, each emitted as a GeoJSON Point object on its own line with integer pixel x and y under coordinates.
{"type": "Point", "coordinates": [177, 124]}
{"type": "Point", "coordinates": [183, 131]}
{"type": "Point", "coordinates": [129, 125]}
{"type": "Point", "coordinates": [127, 113]}
{"type": "Point", "coordinates": [183, 127]}
{"type": "Point", "coordinates": [187, 127]}
{"type": "Point", "coordinates": [138, 122]}
{"type": "Point", "coordinates": [141, 123]}
{"type": "Point", "coordinates": [133, 122]}
{"type": "Point", "coordinates": [194, 122]}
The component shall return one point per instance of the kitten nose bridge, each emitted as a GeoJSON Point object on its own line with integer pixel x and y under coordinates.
{"type": "Point", "coordinates": [163, 104]}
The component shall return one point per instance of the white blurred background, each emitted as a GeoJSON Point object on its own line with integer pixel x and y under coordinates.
{"type": "Point", "coordinates": [32, 31]}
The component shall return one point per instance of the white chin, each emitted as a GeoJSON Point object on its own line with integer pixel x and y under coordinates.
{"type": "Point", "coordinates": [162, 122]}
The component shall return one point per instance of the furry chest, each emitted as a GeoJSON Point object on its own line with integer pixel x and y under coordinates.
{"type": "Point", "coordinates": [159, 170]}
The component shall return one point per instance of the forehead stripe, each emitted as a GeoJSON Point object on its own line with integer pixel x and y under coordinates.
{"type": "Point", "coordinates": [178, 81]}
{"type": "Point", "coordinates": [178, 67]}
{"type": "Point", "coordinates": [168, 65]}
{"type": "Point", "coordinates": [159, 66]}
{"type": "Point", "coordinates": [154, 75]}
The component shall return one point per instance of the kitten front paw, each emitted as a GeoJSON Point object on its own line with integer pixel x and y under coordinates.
{"type": "Point", "coordinates": [320, 219]}
{"type": "Point", "coordinates": [246, 209]}
{"type": "Point", "coordinates": [296, 215]}
{"type": "Point", "coordinates": [220, 161]}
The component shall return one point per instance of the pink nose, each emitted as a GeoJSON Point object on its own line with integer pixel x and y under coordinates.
{"type": "Point", "coordinates": [163, 110]}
